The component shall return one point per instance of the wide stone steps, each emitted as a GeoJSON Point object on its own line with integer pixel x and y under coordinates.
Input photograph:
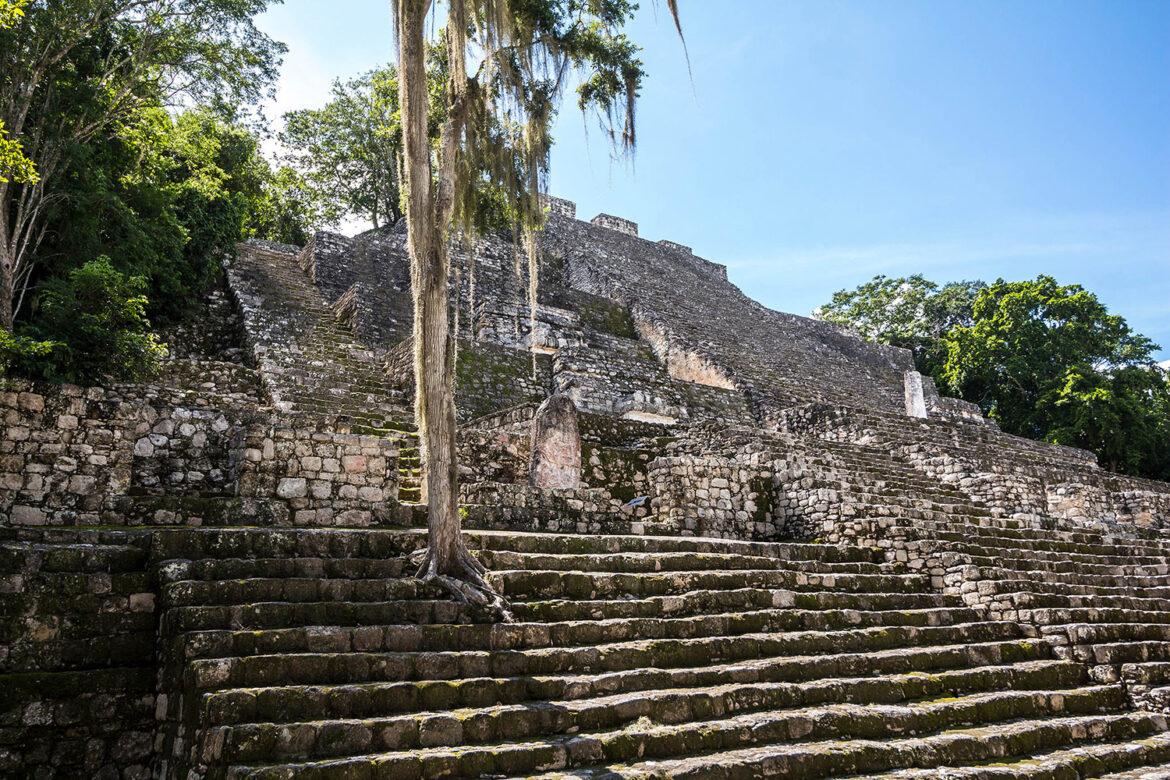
{"type": "Point", "coordinates": [963, 747]}
{"type": "Point", "coordinates": [524, 584]}
{"type": "Point", "coordinates": [1085, 761]}
{"type": "Point", "coordinates": [257, 705]}
{"type": "Point", "coordinates": [192, 544]}
{"type": "Point", "coordinates": [1120, 653]}
{"type": "Point", "coordinates": [713, 600]}
{"type": "Point", "coordinates": [779, 625]}
{"type": "Point", "coordinates": [887, 474]}
{"type": "Point", "coordinates": [1057, 569]}
{"type": "Point", "coordinates": [313, 362]}
{"type": "Point", "coordinates": [17, 556]}
{"type": "Point", "coordinates": [373, 665]}
{"type": "Point", "coordinates": [778, 759]}
{"type": "Point", "coordinates": [1066, 616]}
{"type": "Point", "coordinates": [281, 615]}
{"type": "Point", "coordinates": [723, 718]}
{"type": "Point", "coordinates": [1142, 564]}
{"type": "Point", "coordinates": [1024, 599]}
{"type": "Point", "coordinates": [312, 654]}
{"type": "Point", "coordinates": [530, 584]}
{"type": "Point", "coordinates": [1068, 545]}
{"type": "Point", "coordinates": [1011, 579]}
{"type": "Point", "coordinates": [660, 562]}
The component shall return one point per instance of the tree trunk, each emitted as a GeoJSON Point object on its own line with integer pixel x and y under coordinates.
{"type": "Point", "coordinates": [448, 562]}
{"type": "Point", "coordinates": [7, 272]}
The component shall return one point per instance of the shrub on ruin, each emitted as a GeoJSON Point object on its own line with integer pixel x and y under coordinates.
{"type": "Point", "coordinates": [96, 321]}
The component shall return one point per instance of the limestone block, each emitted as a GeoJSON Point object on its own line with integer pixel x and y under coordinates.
{"type": "Point", "coordinates": [292, 487]}
{"type": "Point", "coordinates": [556, 445]}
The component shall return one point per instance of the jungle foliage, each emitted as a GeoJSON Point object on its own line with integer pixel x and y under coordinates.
{"type": "Point", "coordinates": [107, 172]}
{"type": "Point", "coordinates": [1044, 360]}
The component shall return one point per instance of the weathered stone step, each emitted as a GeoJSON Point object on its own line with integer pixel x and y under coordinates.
{"type": "Point", "coordinates": [964, 747]}
{"type": "Point", "coordinates": [1095, 633]}
{"type": "Point", "coordinates": [1151, 565]}
{"type": "Point", "coordinates": [1090, 548]}
{"type": "Point", "coordinates": [327, 667]}
{"type": "Point", "coordinates": [1154, 746]}
{"type": "Point", "coordinates": [826, 610]}
{"type": "Point", "coordinates": [719, 718]}
{"type": "Point", "coordinates": [17, 557]}
{"type": "Point", "coordinates": [693, 602]}
{"type": "Point", "coordinates": [1065, 570]}
{"type": "Point", "coordinates": [594, 585]}
{"type": "Point", "coordinates": [1009, 579]}
{"type": "Point", "coordinates": [521, 636]}
{"type": "Point", "coordinates": [1119, 653]}
{"type": "Point", "coordinates": [64, 584]}
{"type": "Point", "coordinates": [291, 589]}
{"type": "Point", "coordinates": [638, 562]}
{"type": "Point", "coordinates": [253, 705]}
{"type": "Point", "coordinates": [921, 494]}
{"type": "Point", "coordinates": [736, 738]}
{"type": "Point", "coordinates": [1150, 673]}
{"type": "Point", "coordinates": [1084, 761]}
{"type": "Point", "coordinates": [277, 614]}
{"type": "Point", "coordinates": [1030, 600]}
{"type": "Point", "coordinates": [1062, 531]}
{"type": "Point", "coordinates": [1051, 616]}
{"type": "Point", "coordinates": [211, 569]}
{"type": "Point", "coordinates": [193, 543]}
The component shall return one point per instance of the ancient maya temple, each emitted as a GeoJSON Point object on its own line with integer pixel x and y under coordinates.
{"type": "Point", "coordinates": [738, 543]}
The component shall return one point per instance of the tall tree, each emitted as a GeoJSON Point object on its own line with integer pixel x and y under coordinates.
{"type": "Point", "coordinates": [14, 166]}
{"type": "Point", "coordinates": [1049, 361]}
{"type": "Point", "coordinates": [349, 148]}
{"type": "Point", "coordinates": [524, 52]}
{"type": "Point", "coordinates": [1046, 361]}
{"type": "Point", "coordinates": [910, 312]}
{"type": "Point", "coordinates": [74, 67]}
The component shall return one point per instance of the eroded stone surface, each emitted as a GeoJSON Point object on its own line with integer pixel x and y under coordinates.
{"type": "Point", "coordinates": [556, 446]}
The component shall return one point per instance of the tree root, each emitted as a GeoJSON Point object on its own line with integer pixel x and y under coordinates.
{"type": "Point", "coordinates": [465, 580]}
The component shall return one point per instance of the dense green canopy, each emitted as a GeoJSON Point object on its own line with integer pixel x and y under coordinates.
{"type": "Point", "coordinates": [1045, 360]}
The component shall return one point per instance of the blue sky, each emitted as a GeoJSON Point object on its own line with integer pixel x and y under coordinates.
{"type": "Point", "coordinates": [822, 142]}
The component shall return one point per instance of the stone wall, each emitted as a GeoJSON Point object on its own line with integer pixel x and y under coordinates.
{"type": "Point", "coordinates": [494, 455]}
{"type": "Point", "coordinates": [489, 378]}
{"type": "Point", "coordinates": [180, 450]}
{"type": "Point", "coordinates": [214, 332]}
{"type": "Point", "coordinates": [522, 508]}
{"type": "Point", "coordinates": [618, 224]}
{"type": "Point", "coordinates": [63, 451]}
{"type": "Point", "coordinates": [717, 497]}
{"type": "Point", "coordinates": [326, 475]}
{"type": "Point", "coordinates": [77, 665]}
{"type": "Point", "coordinates": [1012, 476]}
{"type": "Point", "coordinates": [134, 454]}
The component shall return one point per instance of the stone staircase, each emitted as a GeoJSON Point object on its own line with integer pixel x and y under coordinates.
{"type": "Point", "coordinates": [304, 653]}
{"type": "Point", "coordinates": [1102, 600]}
{"type": "Point", "coordinates": [312, 363]}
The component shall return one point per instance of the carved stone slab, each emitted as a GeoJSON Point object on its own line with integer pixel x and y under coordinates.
{"type": "Point", "coordinates": [556, 445]}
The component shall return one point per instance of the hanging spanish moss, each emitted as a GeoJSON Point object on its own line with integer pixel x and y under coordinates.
{"type": "Point", "coordinates": [458, 308]}
{"type": "Point", "coordinates": [533, 285]}
{"type": "Point", "coordinates": [489, 170]}
{"type": "Point", "coordinates": [470, 289]}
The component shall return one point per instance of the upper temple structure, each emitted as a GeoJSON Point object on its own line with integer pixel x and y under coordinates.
{"type": "Point", "coordinates": [738, 543]}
